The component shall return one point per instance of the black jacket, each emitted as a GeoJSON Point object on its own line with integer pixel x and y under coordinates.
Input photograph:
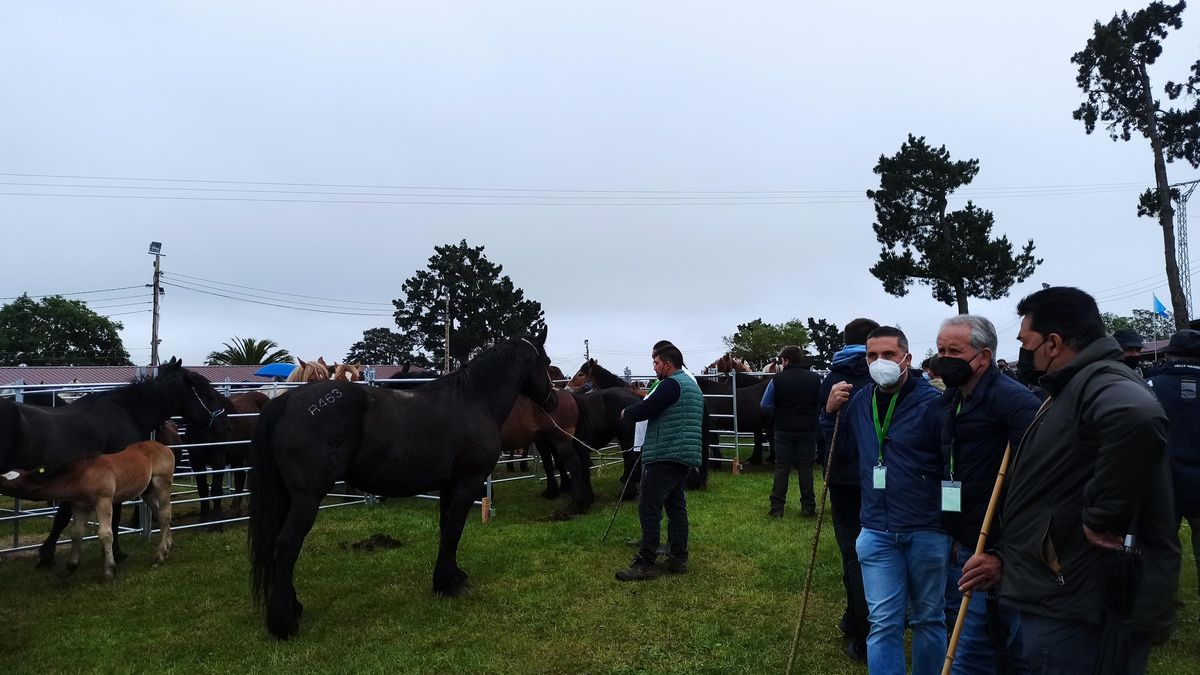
{"type": "Point", "coordinates": [797, 399]}
{"type": "Point", "coordinates": [974, 432]}
{"type": "Point", "coordinates": [1178, 389]}
{"type": "Point", "coordinates": [856, 373]}
{"type": "Point", "coordinates": [1095, 455]}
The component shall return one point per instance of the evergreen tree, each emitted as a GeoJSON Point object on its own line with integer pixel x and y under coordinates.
{"type": "Point", "coordinates": [951, 251]}
{"type": "Point", "coordinates": [483, 305]}
{"type": "Point", "coordinates": [1114, 76]}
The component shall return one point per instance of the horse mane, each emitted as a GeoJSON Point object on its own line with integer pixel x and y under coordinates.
{"type": "Point", "coordinates": [309, 371]}
{"type": "Point", "coordinates": [479, 376]}
{"type": "Point", "coordinates": [605, 379]}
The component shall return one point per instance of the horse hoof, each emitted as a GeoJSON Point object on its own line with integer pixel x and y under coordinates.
{"type": "Point", "coordinates": [550, 494]}
{"type": "Point", "coordinates": [283, 629]}
{"type": "Point", "coordinates": [118, 556]}
{"type": "Point", "coordinates": [45, 564]}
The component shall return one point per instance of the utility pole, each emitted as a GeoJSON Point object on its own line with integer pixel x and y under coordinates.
{"type": "Point", "coordinates": [587, 352]}
{"type": "Point", "coordinates": [156, 251]}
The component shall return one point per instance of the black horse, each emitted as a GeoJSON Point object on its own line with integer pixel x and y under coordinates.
{"type": "Point", "coordinates": [601, 423]}
{"type": "Point", "coordinates": [34, 437]}
{"type": "Point", "coordinates": [718, 405]}
{"type": "Point", "coordinates": [443, 436]}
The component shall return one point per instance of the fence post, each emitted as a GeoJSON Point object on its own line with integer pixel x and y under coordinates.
{"type": "Point", "coordinates": [737, 439]}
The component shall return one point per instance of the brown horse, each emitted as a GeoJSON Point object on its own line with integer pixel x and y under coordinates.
{"type": "Point", "coordinates": [557, 376]}
{"type": "Point", "coordinates": [552, 433]}
{"type": "Point", "coordinates": [310, 371]}
{"type": "Point", "coordinates": [729, 363]}
{"type": "Point", "coordinates": [95, 484]}
{"type": "Point", "coordinates": [350, 372]}
{"type": "Point", "coordinates": [592, 374]}
{"type": "Point", "coordinates": [237, 425]}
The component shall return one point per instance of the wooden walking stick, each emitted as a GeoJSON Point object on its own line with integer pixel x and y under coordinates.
{"type": "Point", "coordinates": [983, 535]}
{"type": "Point", "coordinates": [812, 562]}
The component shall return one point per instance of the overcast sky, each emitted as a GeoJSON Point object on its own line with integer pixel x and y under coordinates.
{"type": "Point", "coordinates": [699, 101]}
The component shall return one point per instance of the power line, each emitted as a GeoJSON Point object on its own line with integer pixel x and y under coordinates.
{"type": "Point", "coordinates": [265, 290]}
{"type": "Point", "coordinates": [526, 190]}
{"type": "Point", "coordinates": [270, 304]}
{"type": "Point", "coordinates": [197, 284]}
{"type": "Point", "coordinates": [51, 295]}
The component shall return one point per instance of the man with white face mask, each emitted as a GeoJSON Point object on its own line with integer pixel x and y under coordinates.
{"type": "Point", "coordinates": [903, 551]}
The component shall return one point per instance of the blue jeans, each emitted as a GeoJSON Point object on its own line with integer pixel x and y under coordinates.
{"type": "Point", "coordinates": [900, 570]}
{"type": "Point", "coordinates": [977, 654]}
{"type": "Point", "coordinates": [662, 490]}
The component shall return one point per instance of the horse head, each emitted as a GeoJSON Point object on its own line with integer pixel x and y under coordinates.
{"type": "Point", "coordinates": [309, 371]}
{"type": "Point", "coordinates": [347, 371]}
{"type": "Point", "coordinates": [536, 384]}
{"type": "Point", "coordinates": [193, 395]}
{"type": "Point", "coordinates": [582, 377]}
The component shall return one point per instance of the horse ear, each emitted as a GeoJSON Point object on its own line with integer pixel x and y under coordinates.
{"type": "Point", "coordinates": [301, 362]}
{"type": "Point", "coordinates": [321, 360]}
{"type": "Point", "coordinates": [540, 338]}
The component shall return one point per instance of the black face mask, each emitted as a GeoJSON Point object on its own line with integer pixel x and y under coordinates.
{"type": "Point", "coordinates": [955, 371]}
{"type": "Point", "coordinates": [1028, 373]}
{"type": "Point", "coordinates": [1132, 361]}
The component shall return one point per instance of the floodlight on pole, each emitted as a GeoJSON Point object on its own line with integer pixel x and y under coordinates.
{"type": "Point", "coordinates": [156, 251]}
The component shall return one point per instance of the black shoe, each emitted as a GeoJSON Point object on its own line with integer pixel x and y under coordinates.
{"type": "Point", "coordinates": [639, 570]}
{"type": "Point", "coordinates": [808, 512]}
{"type": "Point", "coordinates": [856, 649]}
{"type": "Point", "coordinates": [776, 512]}
{"type": "Point", "coordinates": [674, 565]}
{"type": "Point", "coordinates": [843, 625]}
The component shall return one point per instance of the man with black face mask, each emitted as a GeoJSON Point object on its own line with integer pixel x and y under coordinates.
{"type": "Point", "coordinates": [1131, 344]}
{"type": "Point", "coordinates": [1089, 479]}
{"type": "Point", "coordinates": [980, 413]}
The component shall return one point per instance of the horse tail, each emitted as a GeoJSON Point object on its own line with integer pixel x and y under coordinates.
{"type": "Point", "coordinates": [269, 502]}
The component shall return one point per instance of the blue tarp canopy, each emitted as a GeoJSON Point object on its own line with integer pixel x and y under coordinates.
{"type": "Point", "coordinates": [276, 370]}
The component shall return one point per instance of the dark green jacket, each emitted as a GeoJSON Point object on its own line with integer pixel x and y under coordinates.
{"type": "Point", "coordinates": [1096, 455]}
{"type": "Point", "coordinates": [674, 436]}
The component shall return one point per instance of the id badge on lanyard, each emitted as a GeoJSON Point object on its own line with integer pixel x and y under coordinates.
{"type": "Point", "coordinates": [880, 477]}
{"type": "Point", "coordinates": [952, 496]}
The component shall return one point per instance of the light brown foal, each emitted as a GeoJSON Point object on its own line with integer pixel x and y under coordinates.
{"type": "Point", "coordinates": [94, 484]}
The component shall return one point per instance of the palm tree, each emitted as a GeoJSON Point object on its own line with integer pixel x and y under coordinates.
{"type": "Point", "coordinates": [249, 352]}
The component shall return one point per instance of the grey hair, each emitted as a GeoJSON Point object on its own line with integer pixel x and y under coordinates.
{"type": "Point", "coordinates": [983, 333]}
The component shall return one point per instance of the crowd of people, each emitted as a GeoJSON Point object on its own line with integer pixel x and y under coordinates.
{"type": "Point", "coordinates": [1090, 462]}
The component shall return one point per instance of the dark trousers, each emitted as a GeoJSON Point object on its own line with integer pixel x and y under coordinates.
{"type": "Point", "coordinates": [845, 501]}
{"type": "Point", "coordinates": [662, 489]}
{"type": "Point", "coordinates": [1056, 647]}
{"type": "Point", "coordinates": [794, 449]}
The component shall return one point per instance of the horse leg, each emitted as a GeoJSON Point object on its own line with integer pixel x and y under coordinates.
{"type": "Point", "coordinates": [78, 529]}
{"type": "Point", "coordinates": [217, 488]}
{"type": "Point", "coordinates": [104, 520]}
{"type": "Point", "coordinates": [116, 528]}
{"type": "Point", "coordinates": [62, 517]}
{"type": "Point", "coordinates": [546, 453]}
{"type": "Point", "coordinates": [283, 607]}
{"type": "Point", "coordinates": [239, 486]}
{"type": "Point", "coordinates": [455, 501]}
{"type": "Point", "coordinates": [158, 497]}
{"type": "Point", "coordinates": [524, 454]}
{"type": "Point", "coordinates": [581, 476]}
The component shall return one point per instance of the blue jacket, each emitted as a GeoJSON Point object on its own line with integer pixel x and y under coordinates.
{"type": "Point", "coordinates": [997, 413]}
{"type": "Point", "coordinates": [911, 500]}
{"type": "Point", "coordinates": [850, 365]}
{"type": "Point", "coordinates": [1178, 390]}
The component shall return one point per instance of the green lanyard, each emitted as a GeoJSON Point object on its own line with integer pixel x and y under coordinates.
{"type": "Point", "coordinates": [881, 431]}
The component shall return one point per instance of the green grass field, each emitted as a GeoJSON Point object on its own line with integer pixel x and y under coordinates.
{"type": "Point", "coordinates": [544, 598]}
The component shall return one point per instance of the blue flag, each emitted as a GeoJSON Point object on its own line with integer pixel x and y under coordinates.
{"type": "Point", "coordinates": [1159, 308]}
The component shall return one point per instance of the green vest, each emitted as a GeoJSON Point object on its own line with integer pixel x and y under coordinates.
{"type": "Point", "coordinates": [674, 436]}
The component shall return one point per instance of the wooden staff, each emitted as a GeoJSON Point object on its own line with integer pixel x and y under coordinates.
{"type": "Point", "coordinates": [812, 562]}
{"type": "Point", "coordinates": [983, 535]}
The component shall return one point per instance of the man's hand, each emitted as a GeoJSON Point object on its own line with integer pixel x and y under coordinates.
{"type": "Point", "coordinates": [982, 571]}
{"type": "Point", "coordinates": [838, 395]}
{"type": "Point", "coordinates": [1112, 542]}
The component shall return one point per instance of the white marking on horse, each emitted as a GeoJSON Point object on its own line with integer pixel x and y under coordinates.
{"type": "Point", "coordinates": [11, 475]}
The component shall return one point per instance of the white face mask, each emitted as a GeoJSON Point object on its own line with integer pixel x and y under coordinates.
{"type": "Point", "coordinates": [885, 373]}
